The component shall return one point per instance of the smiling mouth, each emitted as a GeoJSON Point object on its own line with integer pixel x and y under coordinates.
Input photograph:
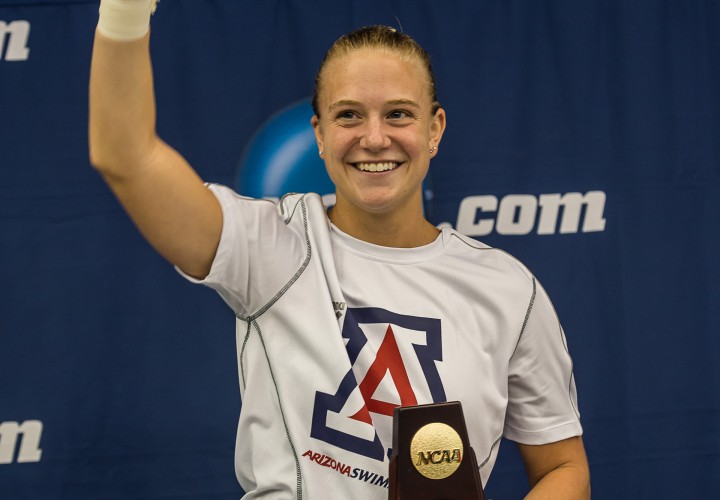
{"type": "Point", "coordinates": [376, 166]}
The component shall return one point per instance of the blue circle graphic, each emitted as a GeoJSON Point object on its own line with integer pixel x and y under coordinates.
{"type": "Point", "coordinates": [282, 157]}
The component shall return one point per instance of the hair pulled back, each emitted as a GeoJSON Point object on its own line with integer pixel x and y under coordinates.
{"type": "Point", "coordinates": [376, 37]}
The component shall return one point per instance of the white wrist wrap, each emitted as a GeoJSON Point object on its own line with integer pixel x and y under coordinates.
{"type": "Point", "coordinates": [125, 20]}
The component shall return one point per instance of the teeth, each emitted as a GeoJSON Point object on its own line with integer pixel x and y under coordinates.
{"type": "Point", "coordinates": [376, 167]}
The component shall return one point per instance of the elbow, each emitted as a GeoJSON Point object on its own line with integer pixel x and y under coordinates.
{"type": "Point", "coordinates": [96, 159]}
{"type": "Point", "coordinates": [101, 153]}
{"type": "Point", "coordinates": [105, 164]}
{"type": "Point", "coordinates": [118, 157]}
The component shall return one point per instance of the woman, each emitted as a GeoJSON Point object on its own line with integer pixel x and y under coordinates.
{"type": "Point", "coordinates": [345, 313]}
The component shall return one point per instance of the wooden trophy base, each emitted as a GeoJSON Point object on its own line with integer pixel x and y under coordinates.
{"type": "Point", "coordinates": [431, 455]}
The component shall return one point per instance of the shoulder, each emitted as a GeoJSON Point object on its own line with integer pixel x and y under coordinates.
{"type": "Point", "coordinates": [484, 257]}
{"type": "Point", "coordinates": [293, 206]}
{"type": "Point", "coordinates": [230, 198]}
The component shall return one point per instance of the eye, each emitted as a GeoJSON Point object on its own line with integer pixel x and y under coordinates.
{"type": "Point", "coordinates": [346, 114]}
{"type": "Point", "coordinates": [399, 114]}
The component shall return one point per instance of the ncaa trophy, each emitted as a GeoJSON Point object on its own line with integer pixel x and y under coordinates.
{"type": "Point", "coordinates": [431, 455]}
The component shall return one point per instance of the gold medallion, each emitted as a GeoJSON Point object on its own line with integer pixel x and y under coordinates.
{"type": "Point", "coordinates": [436, 450]}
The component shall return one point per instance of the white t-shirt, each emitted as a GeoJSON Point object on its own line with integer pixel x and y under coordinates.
{"type": "Point", "coordinates": [334, 332]}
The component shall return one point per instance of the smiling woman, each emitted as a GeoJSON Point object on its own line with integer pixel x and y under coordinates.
{"type": "Point", "coordinates": [329, 304]}
{"type": "Point", "coordinates": [378, 127]}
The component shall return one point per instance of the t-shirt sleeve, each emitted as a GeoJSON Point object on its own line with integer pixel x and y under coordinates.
{"type": "Point", "coordinates": [542, 399]}
{"type": "Point", "coordinates": [256, 255]}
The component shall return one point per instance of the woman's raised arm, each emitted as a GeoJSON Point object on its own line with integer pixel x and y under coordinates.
{"type": "Point", "coordinates": [163, 195]}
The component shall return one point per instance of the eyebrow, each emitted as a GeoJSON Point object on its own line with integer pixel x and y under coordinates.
{"type": "Point", "coordinates": [404, 102]}
{"type": "Point", "coordinates": [344, 102]}
{"type": "Point", "coordinates": [393, 102]}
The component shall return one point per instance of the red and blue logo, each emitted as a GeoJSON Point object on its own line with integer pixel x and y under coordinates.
{"type": "Point", "coordinates": [393, 359]}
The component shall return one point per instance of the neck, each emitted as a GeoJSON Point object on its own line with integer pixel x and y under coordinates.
{"type": "Point", "coordinates": [388, 230]}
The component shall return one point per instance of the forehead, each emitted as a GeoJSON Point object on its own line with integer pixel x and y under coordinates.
{"type": "Point", "coordinates": [374, 73]}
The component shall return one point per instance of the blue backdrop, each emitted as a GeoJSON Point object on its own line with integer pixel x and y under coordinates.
{"type": "Point", "coordinates": [583, 137]}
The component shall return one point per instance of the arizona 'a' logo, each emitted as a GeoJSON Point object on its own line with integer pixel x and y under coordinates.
{"type": "Point", "coordinates": [393, 363]}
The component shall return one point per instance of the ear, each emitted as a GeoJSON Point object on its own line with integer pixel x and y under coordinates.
{"type": "Point", "coordinates": [317, 129]}
{"type": "Point", "coordinates": [437, 127]}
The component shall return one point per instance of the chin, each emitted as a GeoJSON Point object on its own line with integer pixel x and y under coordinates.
{"type": "Point", "coordinates": [379, 201]}
{"type": "Point", "coordinates": [380, 206]}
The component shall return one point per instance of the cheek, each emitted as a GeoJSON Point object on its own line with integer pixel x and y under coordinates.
{"type": "Point", "coordinates": [338, 143]}
{"type": "Point", "coordinates": [414, 143]}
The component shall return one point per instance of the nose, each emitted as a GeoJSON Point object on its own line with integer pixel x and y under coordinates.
{"type": "Point", "coordinates": [375, 137]}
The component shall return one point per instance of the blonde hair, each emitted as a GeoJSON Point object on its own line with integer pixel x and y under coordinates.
{"type": "Point", "coordinates": [377, 37]}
